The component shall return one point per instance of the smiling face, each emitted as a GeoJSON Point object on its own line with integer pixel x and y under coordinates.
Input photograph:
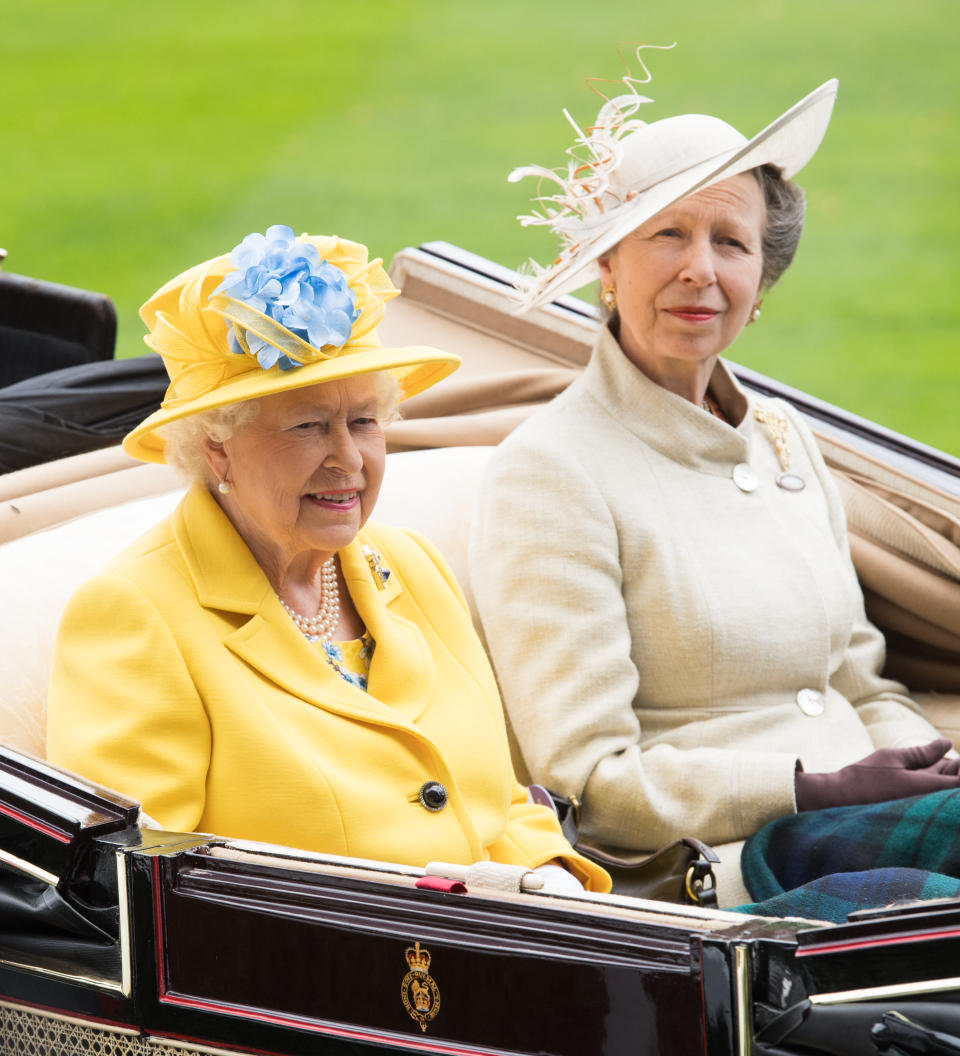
{"type": "Point", "coordinates": [305, 473]}
{"type": "Point", "coordinates": [687, 279]}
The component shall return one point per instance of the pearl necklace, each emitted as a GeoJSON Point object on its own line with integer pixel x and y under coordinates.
{"type": "Point", "coordinates": [325, 622]}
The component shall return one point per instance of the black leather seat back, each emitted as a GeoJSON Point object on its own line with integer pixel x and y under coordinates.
{"type": "Point", "coordinates": [45, 326]}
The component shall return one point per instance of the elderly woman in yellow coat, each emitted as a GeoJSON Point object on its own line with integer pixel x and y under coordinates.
{"type": "Point", "coordinates": [265, 663]}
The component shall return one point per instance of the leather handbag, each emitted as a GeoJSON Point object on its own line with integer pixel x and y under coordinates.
{"type": "Point", "coordinates": [681, 872]}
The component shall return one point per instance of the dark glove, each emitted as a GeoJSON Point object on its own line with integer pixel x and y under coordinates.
{"type": "Point", "coordinates": [890, 773]}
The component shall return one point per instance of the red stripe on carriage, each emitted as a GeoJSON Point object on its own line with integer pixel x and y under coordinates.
{"type": "Point", "coordinates": [63, 837]}
{"type": "Point", "coordinates": [59, 1012]}
{"type": "Point", "coordinates": [395, 1040]}
{"type": "Point", "coordinates": [872, 944]}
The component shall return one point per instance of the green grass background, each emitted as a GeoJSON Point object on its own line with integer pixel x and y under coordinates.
{"type": "Point", "coordinates": [137, 139]}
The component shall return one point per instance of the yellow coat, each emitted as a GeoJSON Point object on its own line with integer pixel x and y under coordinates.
{"type": "Point", "coordinates": [180, 681]}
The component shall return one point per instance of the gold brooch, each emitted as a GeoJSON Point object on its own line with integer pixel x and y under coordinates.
{"type": "Point", "coordinates": [418, 991]}
{"type": "Point", "coordinates": [777, 425]}
{"type": "Point", "coordinates": [379, 570]}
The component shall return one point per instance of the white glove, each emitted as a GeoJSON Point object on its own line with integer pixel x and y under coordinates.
{"type": "Point", "coordinates": [558, 881]}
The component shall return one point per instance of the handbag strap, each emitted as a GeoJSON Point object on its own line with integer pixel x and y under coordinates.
{"type": "Point", "coordinates": [699, 882]}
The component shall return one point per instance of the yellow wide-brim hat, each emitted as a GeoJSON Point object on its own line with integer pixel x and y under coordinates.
{"type": "Point", "coordinates": [222, 344]}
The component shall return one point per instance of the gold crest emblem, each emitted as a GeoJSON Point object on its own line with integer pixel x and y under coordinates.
{"type": "Point", "coordinates": [418, 991]}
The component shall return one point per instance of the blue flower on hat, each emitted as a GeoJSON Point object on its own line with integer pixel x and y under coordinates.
{"type": "Point", "coordinates": [285, 280]}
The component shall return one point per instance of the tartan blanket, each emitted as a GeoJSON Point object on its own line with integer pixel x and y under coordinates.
{"type": "Point", "coordinates": [826, 863]}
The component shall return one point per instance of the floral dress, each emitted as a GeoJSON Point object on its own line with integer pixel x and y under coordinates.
{"type": "Point", "coordinates": [351, 660]}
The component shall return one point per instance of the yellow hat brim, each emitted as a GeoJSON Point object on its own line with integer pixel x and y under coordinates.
{"type": "Point", "coordinates": [415, 367]}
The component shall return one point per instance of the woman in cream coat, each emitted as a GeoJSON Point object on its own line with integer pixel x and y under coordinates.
{"type": "Point", "coordinates": [659, 559]}
{"type": "Point", "coordinates": [266, 664]}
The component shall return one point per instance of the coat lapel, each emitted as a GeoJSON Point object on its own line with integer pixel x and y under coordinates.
{"type": "Point", "coordinates": [401, 670]}
{"type": "Point", "coordinates": [271, 644]}
{"type": "Point", "coordinates": [227, 577]}
{"type": "Point", "coordinates": [224, 572]}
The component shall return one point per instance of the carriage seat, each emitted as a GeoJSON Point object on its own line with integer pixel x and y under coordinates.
{"type": "Point", "coordinates": [430, 491]}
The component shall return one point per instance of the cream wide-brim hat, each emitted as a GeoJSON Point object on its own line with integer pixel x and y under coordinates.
{"type": "Point", "coordinates": [189, 327]}
{"type": "Point", "coordinates": [671, 159]}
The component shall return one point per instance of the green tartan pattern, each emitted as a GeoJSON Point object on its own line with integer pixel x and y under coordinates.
{"type": "Point", "coordinates": [826, 863]}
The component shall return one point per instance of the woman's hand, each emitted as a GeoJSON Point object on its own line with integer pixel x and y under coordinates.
{"type": "Point", "coordinates": [890, 773]}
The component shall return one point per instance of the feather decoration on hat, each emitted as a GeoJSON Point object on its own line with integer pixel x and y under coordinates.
{"type": "Point", "coordinates": [584, 195]}
{"type": "Point", "coordinates": [593, 156]}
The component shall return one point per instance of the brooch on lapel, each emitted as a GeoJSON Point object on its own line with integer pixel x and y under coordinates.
{"type": "Point", "coordinates": [378, 569]}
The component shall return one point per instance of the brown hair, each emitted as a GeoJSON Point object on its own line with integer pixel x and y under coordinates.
{"type": "Point", "coordinates": [786, 208]}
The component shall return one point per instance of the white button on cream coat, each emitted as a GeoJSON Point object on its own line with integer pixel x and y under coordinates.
{"type": "Point", "coordinates": [744, 477]}
{"type": "Point", "coordinates": [811, 702]}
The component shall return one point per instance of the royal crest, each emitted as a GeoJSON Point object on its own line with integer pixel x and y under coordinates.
{"type": "Point", "coordinates": [419, 991]}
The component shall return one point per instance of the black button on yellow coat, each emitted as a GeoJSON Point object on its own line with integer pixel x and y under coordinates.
{"type": "Point", "coordinates": [433, 795]}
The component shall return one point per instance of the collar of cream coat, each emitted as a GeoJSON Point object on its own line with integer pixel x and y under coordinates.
{"type": "Point", "coordinates": [677, 428]}
{"type": "Point", "coordinates": [226, 576]}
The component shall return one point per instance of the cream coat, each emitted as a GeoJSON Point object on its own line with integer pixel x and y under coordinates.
{"type": "Point", "coordinates": [651, 624]}
{"type": "Point", "coordinates": [180, 681]}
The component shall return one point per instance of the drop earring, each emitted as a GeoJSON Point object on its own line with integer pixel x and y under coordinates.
{"type": "Point", "coordinates": [609, 297]}
{"type": "Point", "coordinates": [224, 487]}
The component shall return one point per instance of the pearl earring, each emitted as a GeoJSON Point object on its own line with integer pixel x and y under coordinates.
{"type": "Point", "coordinates": [224, 488]}
{"type": "Point", "coordinates": [755, 314]}
{"type": "Point", "coordinates": [609, 297]}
